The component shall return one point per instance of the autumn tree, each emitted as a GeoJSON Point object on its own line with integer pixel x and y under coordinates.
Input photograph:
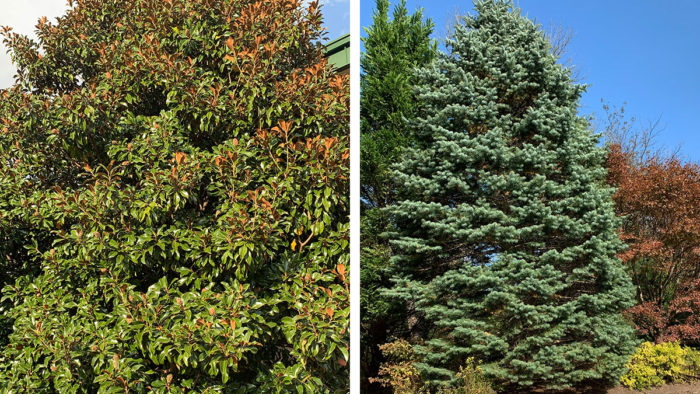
{"type": "Point", "coordinates": [506, 236]}
{"type": "Point", "coordinates": [658, 197]}
{"type": "Point", "coordinates": [173, 201]}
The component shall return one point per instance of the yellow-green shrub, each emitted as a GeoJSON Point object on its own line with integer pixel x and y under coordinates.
{"type": "Point", "coordinates": [655, 364]}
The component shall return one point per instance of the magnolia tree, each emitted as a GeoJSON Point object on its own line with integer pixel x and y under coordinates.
{"type": "Point", "coordinates": [173, 209]}
{"type": "Point", "coordinates": [506, 235]}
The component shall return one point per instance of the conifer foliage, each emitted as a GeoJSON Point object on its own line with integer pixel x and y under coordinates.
{"type": "Point", "coordinates": [394, 46]}
{"type": "Point", "coordinates": [506, 234]}
{"type": "Point", "coordinates": [173, 201]}
{"type": "Point", "coordinates": [393, 49]}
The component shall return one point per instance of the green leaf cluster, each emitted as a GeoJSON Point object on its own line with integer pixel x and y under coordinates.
{"type": "Point", "coordinates": [173, 201]}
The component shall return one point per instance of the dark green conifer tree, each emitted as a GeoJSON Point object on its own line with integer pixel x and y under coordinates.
{"type": "Point", "coordinates": [394, 47]}
{"type": "Point", "coordinates": [506, 235]}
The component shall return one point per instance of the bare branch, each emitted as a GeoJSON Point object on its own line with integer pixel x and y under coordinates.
{"type": "Point", "coordinates": [454, 17]}
{"type": "Point", "coordinates": [639, 142]}
{"type": "Point", "coordinates": [560, 38]}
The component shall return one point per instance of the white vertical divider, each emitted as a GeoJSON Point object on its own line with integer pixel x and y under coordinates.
{"type": "Point", "coordinates": [354, 196]}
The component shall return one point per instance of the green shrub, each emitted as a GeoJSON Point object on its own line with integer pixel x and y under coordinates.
{"type": "Point", "coordinates": [400, 374]}
{"type": "Point", "coordinates": [470, 380]}
{"type": "Point", "coordinates": [656, 364]}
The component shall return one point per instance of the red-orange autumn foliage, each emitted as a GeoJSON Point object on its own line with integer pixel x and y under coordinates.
{"type": "Point", "coordinates": [659, 200]}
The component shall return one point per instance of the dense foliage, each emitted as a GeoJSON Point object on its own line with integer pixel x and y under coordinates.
{"type": "Point", "coordinates": [659, 201]}
{"type": "Point", "coordinates": [399, 373]}
{"type": "Point", "coordinates": [393, 48]}
{"type": "Point", "coordinates": [173, 201]}
{"type": "Point", "coordinates": [506, 240]}
{"type": "Point", "coordinates": [656, 364]}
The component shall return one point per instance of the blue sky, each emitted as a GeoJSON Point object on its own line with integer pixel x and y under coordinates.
{"type": "Point", "coordinates": [645, 53]}
{"type": "Point", "coordinates": [336, 17]}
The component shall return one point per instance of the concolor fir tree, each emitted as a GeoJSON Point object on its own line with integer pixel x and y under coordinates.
{"type": "Point", "coordinates": [506, 237]}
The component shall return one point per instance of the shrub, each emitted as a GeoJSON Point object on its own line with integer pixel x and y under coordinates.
{"type": "Point", "coordinates": [656, 364]}
{"type": "Point", "coordinates": [400, 374]}
{"type": "Point", "coordinates": [173, 201]}
{"type": "Point", "coordinates": [469, 380]}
